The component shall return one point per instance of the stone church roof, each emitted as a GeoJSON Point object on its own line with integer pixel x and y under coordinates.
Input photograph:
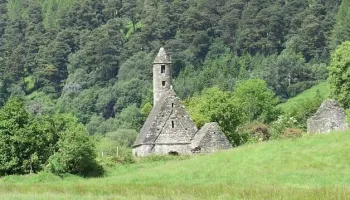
{"type": "Point", "coordinates": [197, 139]}
{"type": "Point", "coordinates": [156, 128]}
{"type": "Point", "coordinates": [162, 57]}
{"type": "Point", "coordinates": [209, 139]}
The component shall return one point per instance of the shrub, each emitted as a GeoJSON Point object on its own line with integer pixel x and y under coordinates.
{"type": "Point", "coordinates": [76, 153]}
{"type": "Point", "coordinates": [28, 143]}
{"type": "Point", "coordinates": [282, 123]}
{"type": "Point", "coordinates": [254, 132]}
{"type": "Point", "coordinates": [292, 133]}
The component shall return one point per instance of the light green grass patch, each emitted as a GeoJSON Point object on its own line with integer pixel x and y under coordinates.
{"type": "Point", "coordinates": [321, 89]}
{"type": "Point", "coordinates": [311, 167]}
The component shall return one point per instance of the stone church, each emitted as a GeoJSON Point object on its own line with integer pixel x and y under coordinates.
{"type": "Point", "coordinates": [169, 129]}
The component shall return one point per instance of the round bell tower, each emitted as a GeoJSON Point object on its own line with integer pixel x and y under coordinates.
{"type": "Point", "coordinates": [162, 66]}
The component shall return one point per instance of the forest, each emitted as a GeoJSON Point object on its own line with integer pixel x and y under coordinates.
{"type": "Point", "coordinates": [81, 71]}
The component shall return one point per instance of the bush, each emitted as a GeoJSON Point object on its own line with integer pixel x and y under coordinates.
{"type": "Point", "coordinates": [76, 154]}
{"type": "Point", "coordinates": [254, 132]}
{"type": "Point", "coordinates": [28, 143]}
{"type": "Point", "coordinates": [280, 125]}
{"type": "Point", "coordinates": [292, 133]}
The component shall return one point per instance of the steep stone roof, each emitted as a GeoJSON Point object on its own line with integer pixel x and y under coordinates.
{"type": "Point", "coordinates": [209, 139]}
{"type": "Point", "coordinates": [162, 57]}
{"type": "Point", "coordinates": [156, 128]}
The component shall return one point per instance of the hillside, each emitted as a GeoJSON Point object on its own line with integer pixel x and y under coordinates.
{"type": "Point", "coordinates": [312, 167]}
{"type": "Point", "coordinates": [77, 82]}
{"type": "Point", "coordinates": [93, 58]}
{"type": "Point", "coordinates": [321, 90]}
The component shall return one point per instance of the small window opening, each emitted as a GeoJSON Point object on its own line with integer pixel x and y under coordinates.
{"type": "Point", "coordinates": [162, 69]}
{"type": "Point", "coordinates": [163, 83]}
{"type": "Point", "coordinates": [172, 124]}
{"type": "Point", "coordinates": [172, 105]}
{"type": "Point", "coordinates": [173, 153]}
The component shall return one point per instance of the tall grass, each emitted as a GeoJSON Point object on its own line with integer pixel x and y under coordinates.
{"type": "Point", "coordinates": [312, 167]}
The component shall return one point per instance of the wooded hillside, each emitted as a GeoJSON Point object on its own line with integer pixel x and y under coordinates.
{"type": "Point", "coordinates": [93, 57]}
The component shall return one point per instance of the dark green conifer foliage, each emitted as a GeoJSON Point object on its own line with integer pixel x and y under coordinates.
{"type": "Point", "coordinates": [341, 30]}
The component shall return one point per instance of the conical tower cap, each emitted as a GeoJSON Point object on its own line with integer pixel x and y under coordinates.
{"type": "Point", "coordinates": [162, 57]}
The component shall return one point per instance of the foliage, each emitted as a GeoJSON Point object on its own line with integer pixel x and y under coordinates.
{"type": "Point", "coordinates": [338, 74]}
{"type": "Point", "coordinates": [123, 137]}
{"type": "Point", "coordinates": [279, 126]}
{"type": "Point", "coordinates": [322, 90]}
{"type": "Point", "coordinates": [254, 132]}
{"type": "Point", "coordinates": [256, 100]}
{"type": "Point", "coordinates": [292, 133]}
{"type": "Point", "coordinates": [287, 162]}
{"type": "Point", "coordinates": [347, 111]}
{"type": "Point", "coordinates": [28, 142]}
{"type": "Point", "coordinates": [251, 100]}
{"type": "Point", "coordinates": [305, 109]}
{"type": "Point", "coordinates": [214, 105]}
{"type": "Point", "coordinates": [93, 58]}
{"type": "Point", "coordinates": [76, 151]}
{"type": "Point", "coordinates": [341, 29]}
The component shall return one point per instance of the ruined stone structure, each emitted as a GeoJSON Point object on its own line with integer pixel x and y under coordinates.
{"type": "Point", "coordinates": [169, 128]}
{"type": "Point", "coordinates": [329, 117]}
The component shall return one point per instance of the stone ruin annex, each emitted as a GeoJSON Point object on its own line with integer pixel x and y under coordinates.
{"type": "Point", "coordinates": [329, 117]}
{"type": "Point", "coordinates": [169, 129]}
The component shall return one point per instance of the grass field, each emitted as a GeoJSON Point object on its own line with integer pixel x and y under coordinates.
{"type": "Point", "coordinates": [312, 167]}
{"type": "Point", "coordinates": [322, 88]}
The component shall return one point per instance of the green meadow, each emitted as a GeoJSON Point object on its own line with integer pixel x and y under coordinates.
{"type": "Point", "coordinates": [311, 167]}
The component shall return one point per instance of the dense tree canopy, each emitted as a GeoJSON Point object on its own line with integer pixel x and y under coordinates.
{"type": "Point", "coordinates": [339, 74]}
{"type": "Point", "coordinates": [28, 143]}
{"type": "Point", "coordinates": [93, 59]}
